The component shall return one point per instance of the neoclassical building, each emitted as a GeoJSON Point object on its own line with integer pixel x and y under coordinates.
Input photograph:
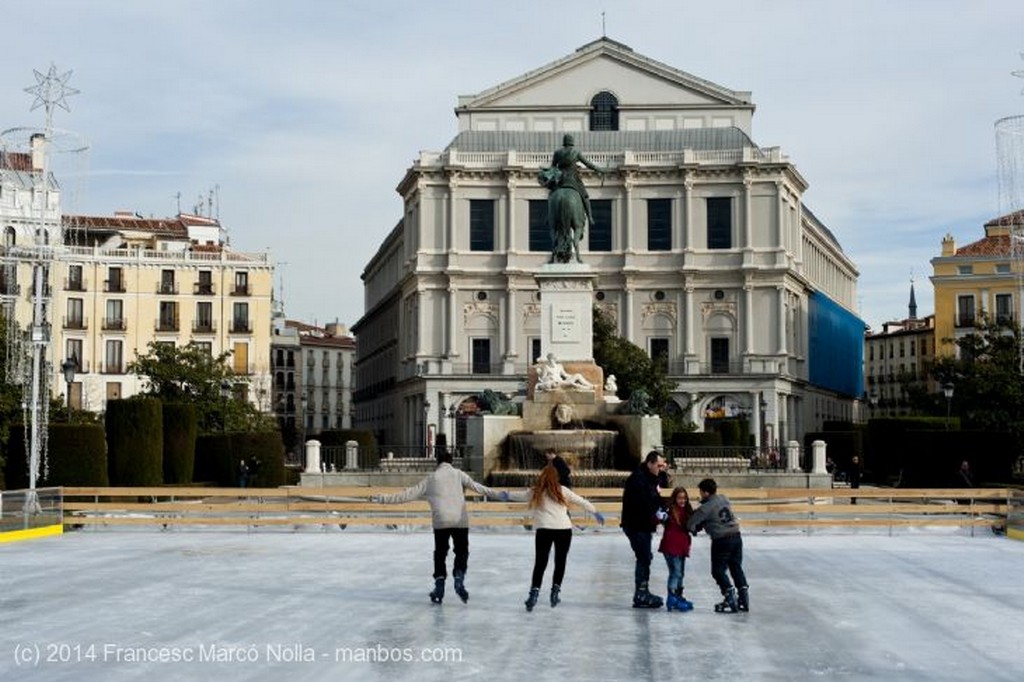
{"type": "Point", "coordinates": [704, 254]}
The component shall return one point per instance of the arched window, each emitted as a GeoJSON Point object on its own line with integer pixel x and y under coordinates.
{"type": "Point", "coordinates": [10, 236]}
{"type": "Point", "coordinates": [604, 111]}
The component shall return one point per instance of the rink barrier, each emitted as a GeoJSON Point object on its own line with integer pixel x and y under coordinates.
{"type": "Point", "coordinates": [765, 508]}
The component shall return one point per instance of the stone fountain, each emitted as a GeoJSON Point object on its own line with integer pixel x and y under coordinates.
{"type": "Point", "coordinates": [567, 408]}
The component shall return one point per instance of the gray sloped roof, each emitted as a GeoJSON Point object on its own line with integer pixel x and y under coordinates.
{"type": "Point", "coordinates": [603, 141]}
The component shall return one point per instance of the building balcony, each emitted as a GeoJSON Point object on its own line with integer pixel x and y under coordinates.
{"type": "Point", "coordinates": [74, 285]}
{"type": "Point", "coordinates": [81, 367]}
{"type": "Point", "coordinates": [10, 289]}
{"type": "Point", "coordinates": [74, 322]}
{"type": "Point", "coordinates": [115, 324]}
{"type": "Point", "coordinates": [204, 327]}
{"type": "Point", "coordinates": [240, 290]}
{"type": "Point", "coordinates": [112, 368]}
{"type": "Point", "coordinates": [167, 288]}
{"type": "Point", "coordinates": [113, 286]}
{"type": "Point", "coordinates": [167, 324]}
{"type": "Point", "coordinates": [30, 291]}
{"type": "Point", "coordinates": [241, 327]}
{"type": "Point", "coordinates": [203, 289]}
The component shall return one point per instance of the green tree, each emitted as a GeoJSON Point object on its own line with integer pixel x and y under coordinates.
{"type": "Point", "coordinates": [191, 375]}
{"type": "Point", "coordinates": [986, 377]}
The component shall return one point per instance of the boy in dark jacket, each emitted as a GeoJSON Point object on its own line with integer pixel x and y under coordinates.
{"type": "Point", "coordinates": [715, 516]}
{"type": "Point", "coordinates": [641, 512]}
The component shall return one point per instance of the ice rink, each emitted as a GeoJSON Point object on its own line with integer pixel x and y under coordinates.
{"type": "Point", "coordinates": [352, 605]}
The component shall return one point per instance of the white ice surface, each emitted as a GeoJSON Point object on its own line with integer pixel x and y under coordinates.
{"type": "Point", "coordinates": [935, 605]}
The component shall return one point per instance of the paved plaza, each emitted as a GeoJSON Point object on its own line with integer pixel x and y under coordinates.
{"type": "Point", "coordinates": [352, 605]}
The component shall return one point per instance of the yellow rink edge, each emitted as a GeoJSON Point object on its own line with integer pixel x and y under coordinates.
{"type": "Point", "coordinates": [31, 533]}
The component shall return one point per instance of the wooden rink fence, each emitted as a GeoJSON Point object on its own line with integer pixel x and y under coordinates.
{"type": "Point", "coordinates": [795, 508]}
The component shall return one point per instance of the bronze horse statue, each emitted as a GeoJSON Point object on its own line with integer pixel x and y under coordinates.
{"type": "Point", "coordinates": [566, 217]}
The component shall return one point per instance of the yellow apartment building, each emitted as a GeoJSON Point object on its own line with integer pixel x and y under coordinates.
{"type": "Point", "coordinates": [974, 282]}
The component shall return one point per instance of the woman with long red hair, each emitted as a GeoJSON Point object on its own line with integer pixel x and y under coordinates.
{"type": "Point", "coordinates": [550, 500]}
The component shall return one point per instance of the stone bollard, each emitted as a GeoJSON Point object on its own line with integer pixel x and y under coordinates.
{"type": "Point", "coordinates": [792, 456]}
{"type": "Point", "coordinates": [312, 457]}
{"type": "Point", "coordinates": [818, 448]}
{"type": "Point", "coordinates": [351, 455]}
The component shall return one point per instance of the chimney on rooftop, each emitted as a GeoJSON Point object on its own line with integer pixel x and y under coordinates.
{"type": "Point", "coordinates": [37, 144]}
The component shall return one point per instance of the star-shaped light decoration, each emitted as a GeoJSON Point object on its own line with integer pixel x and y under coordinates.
{"type": "Point", "coordinates": [1019, 74]}
{"type": "Point", "coordinates": [51, 89]}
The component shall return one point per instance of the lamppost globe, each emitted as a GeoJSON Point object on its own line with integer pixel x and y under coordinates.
{"type": "Point", "coordinates": [947, 390]}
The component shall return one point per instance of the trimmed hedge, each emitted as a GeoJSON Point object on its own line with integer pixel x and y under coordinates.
{"type": "Point", "coordinates": [135, 442]}
{"type": "Point", "coordinates": [841, 446]}
{"type": "Point", "coordinates": [215, 461]}
{"type": "Point", "coordinates": [263, 452]}
{"type": "Point", "coordinates": [179, 447]}
{"type": "Point", "coordinates": [77, 455]}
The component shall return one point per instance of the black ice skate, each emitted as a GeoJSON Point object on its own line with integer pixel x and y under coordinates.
{"type": "Point", "coordinates": [460, 588]}
{"type": "Point", "coordinates": [743, 599]}
{"type": "Point", "coordinates": [437, 596]}
{"type": "Point", "coordinates": [643, 599]}
{"type": "Point", "coordinates": [555, 590]}
{"type": "Point", "coordinates": [531, 600]}
{"type": "Point", "coordinates": [729, 603]}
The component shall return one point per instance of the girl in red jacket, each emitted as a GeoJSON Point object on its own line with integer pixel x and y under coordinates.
{"type": "Point", "coordinates": [675, 545]}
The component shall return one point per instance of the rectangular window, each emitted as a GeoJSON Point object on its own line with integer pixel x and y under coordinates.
{"type": "Point", "coordinates": [75, 279]}
{"type": "Point", "coordinates": [600, 238]}
{"type": "Point", "coordinates": [76, 316]}
{"type": "Point", "coordinates": [481, 225]}
{"type": "Point", "coordinates": [965, 311]}
{"type": "Point", "coordinates": [659, 224]}
{"type": "Point", "coordinates": [115, 280]}
{"type": "Point", "coordinates": [481, 350]}
{"type": "Point", "coordinates": [115, 315]}
{"type": "Point", "coordinates": [204, 317]}
{"type": "Point", "coordinates": [540, 235]}
{"type": "Point", "coordinates": [240, 358]}
{"type": "Point", "coordinates": [241, 283]}
{"type": "Point", "coordinates": [205, 284]}
{"type": "Point", "coordinates": [534, 350]}
{"type": "Point", "coordinates": [1002, 268]}
{"type": "Point", "coordinates": [168, 321]}
{"type": "Point", "coordinates": [73, 352]}
{"type": "Point", "coordinates": [167, 285]}
{"type": "Point", "coordinates": [658, 348]}
{"type": "Point", "coordinates": [965, 269]}
{"type": "Point", "coordinates": [240, 320]}
{"type": "Point", "coordinates": [204, 346]}
{"type": "Point", "coordinates": [1004, 308]}
{"type": "Point", "coordinates": [719, 356]}
{"type": "Point", "coordinates": [113, 358]}
{"type": "Point", "coordinates": [719, 222]}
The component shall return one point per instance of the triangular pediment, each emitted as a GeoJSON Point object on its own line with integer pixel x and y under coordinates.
{"type": "Point", "coordinates": [605, 65]}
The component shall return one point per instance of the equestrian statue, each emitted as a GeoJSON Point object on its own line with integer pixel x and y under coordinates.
{"type": "Point", "coordinates": [568, 203]}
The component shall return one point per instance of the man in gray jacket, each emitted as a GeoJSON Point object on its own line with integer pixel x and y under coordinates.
{"type": "Point", "coordinates": [444, 491]}
{"type": "Point", "coordinates": [715, 516]}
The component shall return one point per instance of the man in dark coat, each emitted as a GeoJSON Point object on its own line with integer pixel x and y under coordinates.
{"type": "Point", "coordinates": [642, 509]}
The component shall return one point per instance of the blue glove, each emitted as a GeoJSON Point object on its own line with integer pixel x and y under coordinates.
{"type": "Point", "coordinates": [504, 496]}
{"type": "Point", "coordinates": [661, 515]}
{"type": "Point", "coordinates": [600, 517]}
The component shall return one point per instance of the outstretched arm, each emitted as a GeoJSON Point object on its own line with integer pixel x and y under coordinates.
{"type": "Point", "coordinates": [407, 495]}
{"type": "Point", "coordinates": [591, 165]}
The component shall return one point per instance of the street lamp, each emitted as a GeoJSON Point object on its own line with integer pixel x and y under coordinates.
{"type": "Point", "coordinates": [68, 367]}
{"type": "Point", "coordinates": [947, 390]}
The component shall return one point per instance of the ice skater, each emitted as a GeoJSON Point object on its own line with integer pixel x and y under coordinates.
{"type": "Point", "coordinates": [715, 517]}
{"type": "Point", "coordinates": [641, 512]}
{"type": "Point", "coordinates": [444, 489]}
{"type": "Point", "coordinates": [675, 546]}
{"type": "Point", "coordinates": [549, 500]}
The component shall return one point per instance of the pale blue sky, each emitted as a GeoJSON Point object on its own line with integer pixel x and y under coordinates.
{"type": "Point", "coordinates": [307, 114]}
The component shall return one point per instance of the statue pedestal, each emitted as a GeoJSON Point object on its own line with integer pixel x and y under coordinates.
{"type": "Point", "coordinates": [567, 313]}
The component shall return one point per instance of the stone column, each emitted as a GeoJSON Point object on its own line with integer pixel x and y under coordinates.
{"type": "Point", "coordinates": [818, 448]}
{"type": "Point", "coordinates": [351, 455]}
{"type": "Point", "coordinates": [792, 456]}
{"type": "Point", "coordinates": [312, 457]}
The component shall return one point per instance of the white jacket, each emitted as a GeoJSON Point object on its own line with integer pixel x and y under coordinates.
{"type": "Point", "coordinates": [550, 513]}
